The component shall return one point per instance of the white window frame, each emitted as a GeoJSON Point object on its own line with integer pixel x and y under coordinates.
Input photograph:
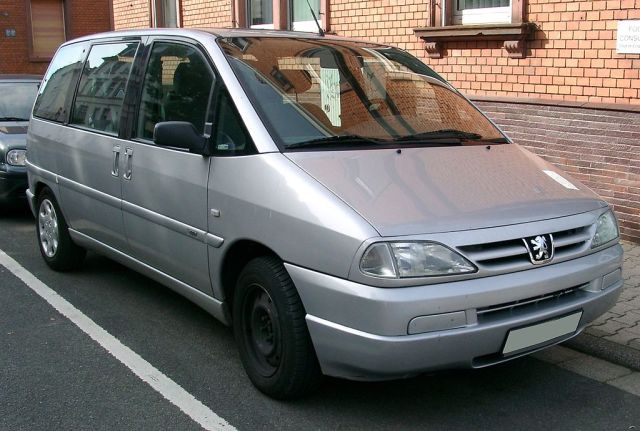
{"type": "Point", "coordinates": [487, 15]}
{"type": "Point", "coordinates": [263, 26]}
{"type": "Point", "coordinates": [309, 26]}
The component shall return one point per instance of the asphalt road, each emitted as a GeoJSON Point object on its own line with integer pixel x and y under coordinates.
{"type": "Point", "coordinates": [54, 376]}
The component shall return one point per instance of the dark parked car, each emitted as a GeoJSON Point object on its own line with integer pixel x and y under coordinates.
{"type": "Point", "coordinates": [17, 93]}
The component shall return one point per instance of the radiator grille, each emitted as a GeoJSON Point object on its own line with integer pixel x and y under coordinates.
{"type": "Point", "coordinates": [545, 300]}
{"type": "Point", "coordinates": [512, 253]}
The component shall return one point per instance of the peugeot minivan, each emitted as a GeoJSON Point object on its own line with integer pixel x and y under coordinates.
{"type": "Point", "coordinates": [337, 202]}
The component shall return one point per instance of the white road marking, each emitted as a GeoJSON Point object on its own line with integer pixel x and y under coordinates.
{"type": "Point", "coordinates": [166, 387]}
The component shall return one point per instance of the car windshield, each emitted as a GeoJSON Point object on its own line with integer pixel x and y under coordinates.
{"type": "Point", "coordinates": [335, 94]}
{"type": "Point", "coordinates": [16, 100]}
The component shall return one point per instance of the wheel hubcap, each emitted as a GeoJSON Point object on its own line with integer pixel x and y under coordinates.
{"type": "Point", "coordinates": [260, 319]}
{"type": "Point", "coordinates": [48, 228]}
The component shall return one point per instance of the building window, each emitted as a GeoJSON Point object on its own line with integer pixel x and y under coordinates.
{"type": "Point", "coordinates": [47, 27]}
{"type": "Point", "coordinates": [481, 11]}
{"type": "Point", "coordinates": [302, 18]}
{"type": "Point", "coordinates": [260, 14]}
{"type": "Point", "coordinates": [477, 20]}
{"type": "Point", "coordinates": [165, 13]}
{"type": "Point", "coordinates": [282, 14]}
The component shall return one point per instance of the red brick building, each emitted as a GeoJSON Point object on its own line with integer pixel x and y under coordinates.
{"type": "Point", "coordinates": [31, 30]}
{"type": "Point", "coordinates": [547, 71]}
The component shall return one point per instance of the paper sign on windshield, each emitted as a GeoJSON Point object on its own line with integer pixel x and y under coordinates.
{"type": "Point", "coordinates": [330, 94]}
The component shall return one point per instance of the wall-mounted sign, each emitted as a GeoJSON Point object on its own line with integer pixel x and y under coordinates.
{"type": "Point", "coordinates": [10, 32]}
{"type": "Point", "coordinates": [628, 37]}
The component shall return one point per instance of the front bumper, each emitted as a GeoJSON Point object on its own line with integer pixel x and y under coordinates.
{"type": "Point", "coordinates": [13, 183]}
{"type": "Point", "coordinates": [362, 332]}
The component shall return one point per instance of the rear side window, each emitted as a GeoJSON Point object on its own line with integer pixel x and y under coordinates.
{"type": "Point", "coordinates": [59, 83]}
{"type": "Point", "coordinates": [102, 86]}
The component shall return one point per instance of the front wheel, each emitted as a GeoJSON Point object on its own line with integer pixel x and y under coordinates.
{"type": "Point", "coordinates": [56, 246]}
{"type": "Point", "coordinates": [271, 332]}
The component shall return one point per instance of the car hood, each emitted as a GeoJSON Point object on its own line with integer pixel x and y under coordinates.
{"type": "Point", "coordinates": [442, 189]}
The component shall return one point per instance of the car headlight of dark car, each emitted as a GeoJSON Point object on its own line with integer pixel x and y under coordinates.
{"type": "Point", "coordinates": [16, 157]}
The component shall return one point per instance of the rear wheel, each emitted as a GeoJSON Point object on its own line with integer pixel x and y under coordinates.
{"type": "Point", "coordinates": [55, 244]}
{"type": "Point", "coordinates": [271, 332]}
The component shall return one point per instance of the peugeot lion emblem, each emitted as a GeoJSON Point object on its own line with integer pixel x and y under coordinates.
{"type": "Point", "coordinates": [540, 248]}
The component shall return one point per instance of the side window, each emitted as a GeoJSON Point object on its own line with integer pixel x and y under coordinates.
{"type": "Point", "coordinates": [177, 85]}
{"type": "Point", "coordinates": [231, 137]}
{"type": "Point", "coordinates": [59, 83]}
{"type": "Point", "coordinates": [102, 86]}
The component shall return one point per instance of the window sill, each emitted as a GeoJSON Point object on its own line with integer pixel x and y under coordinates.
{"type": "Point", "coordinates": [514, 36]}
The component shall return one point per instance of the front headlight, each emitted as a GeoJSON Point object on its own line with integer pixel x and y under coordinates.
{"type": "Point", "coordinates": [606, 229]}
{"type": "Point", "coordinates": [16, 157]}
{"type": "Point", "coordinates": [412, 259]}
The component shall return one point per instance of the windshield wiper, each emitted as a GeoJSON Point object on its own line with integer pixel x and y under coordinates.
{"type": "Point", "coordinates": [13, 119]}
{"type": "Point", "coordinates": [436, 137]}
{"type": "Point", "coordinates": [336, 141]}
{"type": "Point", "coordinates": [496, 140]}
{"type": "Point", "coordinates": [444, 134]}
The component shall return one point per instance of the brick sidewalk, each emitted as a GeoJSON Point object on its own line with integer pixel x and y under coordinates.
{"type": "Point", "coordinates": [621, 324]}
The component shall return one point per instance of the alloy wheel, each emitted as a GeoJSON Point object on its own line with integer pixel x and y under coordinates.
{"type": "Point", "coordinates": [48, 228]}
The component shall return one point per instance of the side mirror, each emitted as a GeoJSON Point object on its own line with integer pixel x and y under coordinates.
{"type": "Point", "coordinates": [179, 134]}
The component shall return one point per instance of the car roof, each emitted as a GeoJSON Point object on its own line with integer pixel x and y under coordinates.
{"type": "Point", "coordinates": [21, 78]}
{"type": "Point", "coordinates": [216, 32]}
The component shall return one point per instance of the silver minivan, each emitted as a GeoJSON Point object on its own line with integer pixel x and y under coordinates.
{"type": "Point", "coordinates": [337, 202]}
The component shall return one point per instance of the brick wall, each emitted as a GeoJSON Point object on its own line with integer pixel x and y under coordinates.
{"type": "Point", "coordinates": [14, 51]}
{"type": "Point", "coordinates": [206, 13]}
{"type": "Point", "coordinates": [87, 17]}
{"type": "Point", "coordinates": [194, 13]}
{"type": "Point", "coordinates": [384, 21]}
{"type": "Point", "coordinates": [83, 17]}
{"type": "Point", "coordinates": [601, 148]}
{"type": "Point", "coordinates": [572, 57]}
{"type": "Point", "coordinates": [131, 14]}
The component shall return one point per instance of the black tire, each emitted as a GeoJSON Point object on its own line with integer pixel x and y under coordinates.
{"type": "Point", "coordinates": [271, 331]}
{"type": "Point", "coordinates": [54, 242]}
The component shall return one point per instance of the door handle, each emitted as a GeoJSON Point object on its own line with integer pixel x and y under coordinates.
{"type": "Point", "coordinates": [128, 154]}
{"type": "Point", "coordinates": [115, 169]}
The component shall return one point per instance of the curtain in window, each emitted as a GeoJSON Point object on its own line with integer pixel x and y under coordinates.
{"type": "Point", "coordinates": [170, 13]}
{"type": "Point", "coordinates": [301, 11]}
{"type": "Point", "coordinates": [47, 27]}
{"type": "Point", "coordinates": [260, 12]}
{"type": "Point", "coordinates": [479, 4]}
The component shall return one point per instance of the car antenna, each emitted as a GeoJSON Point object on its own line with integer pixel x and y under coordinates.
{"type": "Point", "coordinates": [313, 14]}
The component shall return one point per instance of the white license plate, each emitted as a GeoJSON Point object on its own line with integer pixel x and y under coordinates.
{"type": "Point", "coordinates": [524, 338]}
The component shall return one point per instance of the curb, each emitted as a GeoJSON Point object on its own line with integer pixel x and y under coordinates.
{"type": "Point", "coordinates": [605, 349]}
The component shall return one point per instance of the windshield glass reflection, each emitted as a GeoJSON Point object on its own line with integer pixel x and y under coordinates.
{"type": "Point", "coordinates": [311, 90]}
{"type": "Point", "coordinates": [16, 99]}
